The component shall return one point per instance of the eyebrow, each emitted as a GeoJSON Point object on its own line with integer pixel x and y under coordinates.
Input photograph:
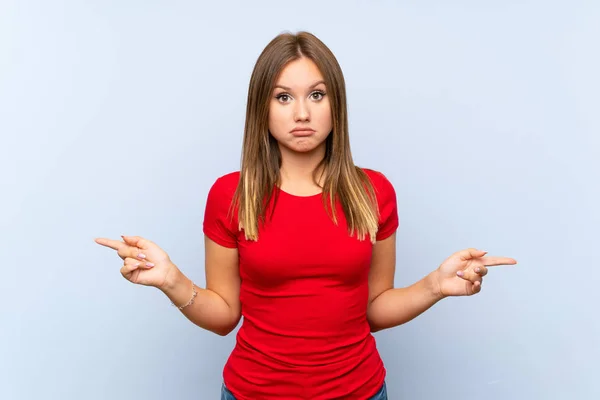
{"type": "Point", "coordinates": [310, 87]}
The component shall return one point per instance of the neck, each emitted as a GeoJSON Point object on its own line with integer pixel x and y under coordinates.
{"type": "Point", "coordinates": [297, 168]}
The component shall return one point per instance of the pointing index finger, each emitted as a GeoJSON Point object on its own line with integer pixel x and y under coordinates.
{"type": "Point", "coordinates": [491, 261]}
{"type": "Point", "coordinates": [113, 244]}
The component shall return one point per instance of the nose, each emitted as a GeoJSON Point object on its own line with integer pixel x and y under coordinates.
{"type": "Point", "coordinates": [301, 112]}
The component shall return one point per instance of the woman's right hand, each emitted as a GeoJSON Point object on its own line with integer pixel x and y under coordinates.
{"type": "Point", "coordinates": [144, 262]}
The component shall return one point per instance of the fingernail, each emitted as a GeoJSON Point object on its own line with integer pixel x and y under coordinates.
{"type": "Point", "coordinates": [149, 265]}
{"type": "Point", "coordinates": [141, 255]}
{"type": "Point", "coordinates": [460, 273]}
{"type": "Point", "coordinates": [477, 269]}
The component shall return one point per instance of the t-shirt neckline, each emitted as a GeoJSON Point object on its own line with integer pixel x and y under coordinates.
{"type": "Point", "coordinates": [298, 196]}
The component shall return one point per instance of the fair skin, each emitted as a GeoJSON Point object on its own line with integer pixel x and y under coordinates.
{"type": "Point", "coordinates": [299, 101]}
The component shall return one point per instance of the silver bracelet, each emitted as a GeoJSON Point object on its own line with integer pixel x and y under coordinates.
{"type": "Point", "coordinates": [194, 294]}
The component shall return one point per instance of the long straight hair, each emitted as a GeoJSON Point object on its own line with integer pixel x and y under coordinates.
{"type": "Point", "coordinates": [261, 157]}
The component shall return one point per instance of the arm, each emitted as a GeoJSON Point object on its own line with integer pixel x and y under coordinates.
{"type": "Point", "coordinates": [461, 274]}
{"type": "Point", "coordinates": [389, 307]}
{"type": "Point", "coordinates": [216, 308]}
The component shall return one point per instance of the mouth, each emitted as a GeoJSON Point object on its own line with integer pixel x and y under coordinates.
{"type": "Point", "coordinates": [302, 132]}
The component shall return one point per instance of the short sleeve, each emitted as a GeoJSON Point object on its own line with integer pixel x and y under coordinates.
{"type": "Point", "coordinates": [388, 208]}
{"type": "Point", "coordinates": [220, 221]}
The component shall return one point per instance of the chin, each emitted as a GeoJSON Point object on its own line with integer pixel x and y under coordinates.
{"type": "Point", "coordinates": [305, 147]}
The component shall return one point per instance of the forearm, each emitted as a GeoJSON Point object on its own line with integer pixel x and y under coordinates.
{"type": "Point", "coordinates": [209, 310]}
{"type": "Point", "coordinates": [397, 306]}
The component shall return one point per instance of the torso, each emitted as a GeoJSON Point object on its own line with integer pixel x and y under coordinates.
{"type": "Point", "coordinates": [304, 296]}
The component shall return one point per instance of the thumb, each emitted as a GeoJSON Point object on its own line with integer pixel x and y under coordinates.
{"type": "Point", "coordinates": [135, 241]}
{"type": "Point", "coordinates": [471, 253]}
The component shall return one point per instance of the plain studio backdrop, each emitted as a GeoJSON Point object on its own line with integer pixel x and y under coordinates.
{"type": "Point", "coordinates": [116, 117]}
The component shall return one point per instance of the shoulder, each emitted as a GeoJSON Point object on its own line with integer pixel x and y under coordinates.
{"type": "Point", "coordinates": [226, 185]}
{"type": "Point", "coordinates": [231, 178]}
{"type": "Point", "coordinates": [386, 203]}
{"type": "Point", "coordinates": [379, 181]}
{"type": "Point", "coordinates": [220, 224]}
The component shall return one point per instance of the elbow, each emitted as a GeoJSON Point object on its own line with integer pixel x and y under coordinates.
{"type": "Point", "coordinates": [375, 327]}
{"type": "Point", "coordinates": [222, 331]}
{"type": "Point", "coordinates": [227, 328]}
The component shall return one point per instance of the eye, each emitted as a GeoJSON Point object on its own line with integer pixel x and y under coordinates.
{"type": "Point", "coordinates": [318, 95]}
{"type": "Point", "coordinates": [283, 97]}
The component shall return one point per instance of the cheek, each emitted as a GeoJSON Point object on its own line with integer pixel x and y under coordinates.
{"type": "Point", "coordinates": [323, 116]}
{"type": "Point", "coordinates": [277, 118]}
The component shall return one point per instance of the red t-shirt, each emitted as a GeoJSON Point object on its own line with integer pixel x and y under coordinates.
{"type": "Point", "coordinates": [304, 293]}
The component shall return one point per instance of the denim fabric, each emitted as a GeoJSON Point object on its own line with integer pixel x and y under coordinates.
{"type": "Point", "coordinates": [226, 394]}
{"type": "Point", "coordinates": [381, 395]}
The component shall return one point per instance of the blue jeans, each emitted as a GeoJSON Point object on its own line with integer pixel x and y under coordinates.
{"type": "Point", "coordinates": [381, 395]}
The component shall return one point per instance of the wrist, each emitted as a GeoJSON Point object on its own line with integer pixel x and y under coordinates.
{"type": "Point", "coordinates": [174, 279]}
{"type": "Point", "coordinates": [435, 286]}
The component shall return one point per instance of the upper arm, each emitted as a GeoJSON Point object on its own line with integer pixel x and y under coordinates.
{"type": "Point", "coordinates": [383, 259]}
{"type": "Point", "coordinates": [383, 266]}
{"type": "Point", "coordinates": [222, 274]}
{"type": "Point", "coordinates": [220, 245]}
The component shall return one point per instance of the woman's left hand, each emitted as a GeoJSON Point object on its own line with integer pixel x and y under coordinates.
{"type": "Point", "coordinates": [462, 273]}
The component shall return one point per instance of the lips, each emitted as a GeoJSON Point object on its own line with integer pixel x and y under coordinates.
{"type": "Point", "coordinates": [302, 131]}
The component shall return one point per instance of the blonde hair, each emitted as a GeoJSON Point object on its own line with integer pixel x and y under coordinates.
{"type": "Point", "coordinates": [261, 157]}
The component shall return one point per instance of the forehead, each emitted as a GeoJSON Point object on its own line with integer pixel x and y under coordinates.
{"type": "Point", "coordinates": [299, 73]}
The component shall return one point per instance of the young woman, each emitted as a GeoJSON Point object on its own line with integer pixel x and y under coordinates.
{"type": "Point", "coordinates": [302, 243]}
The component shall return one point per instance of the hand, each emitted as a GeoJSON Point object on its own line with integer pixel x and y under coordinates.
{"type": "Point", "coordinates": [462, 273]}
{"type": "Point", "coordinates": [144, 262]}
